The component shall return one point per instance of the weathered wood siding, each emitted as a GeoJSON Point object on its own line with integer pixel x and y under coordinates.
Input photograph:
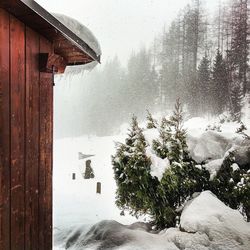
{"type": "Point", "coordinates": [26, 124]}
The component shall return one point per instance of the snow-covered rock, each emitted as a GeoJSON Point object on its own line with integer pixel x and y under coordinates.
{"type": "Point", "coordinates": [206, 223]}
{"type": "Point", "coordinates": [209, 145]}
{"type": "Point", "coordinates": [213, 167]}
{"type": "Point", "coordinates": [224, 227]}
{"type": "Point", "coordinates": [242, 155]}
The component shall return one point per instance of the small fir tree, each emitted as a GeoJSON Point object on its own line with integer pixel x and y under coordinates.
{"type": "Point", "coordinates": [151, 122]}
{"type": "Point", "coordinates": [236, 101]}
{"type": "Point", "coordinates": [220, 85]}
{"type": "Point", "coordinates": [132, 173]}
{"type": "Point", "coordinates": [204, 91]}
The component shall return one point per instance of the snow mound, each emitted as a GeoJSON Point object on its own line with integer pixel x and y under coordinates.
{"type": "Point", "coordinates": [224, 227]}
{"type": "Point", "coordinates": [206, 223]}
{"type": "Point", "coordinates": [210, 144]}
{"type": "Point", "coordinates": [213, 167]}
{"type": "Point", "coordinates": [113, 235]}
{"type": "Point", "coordinates": [86, 35]}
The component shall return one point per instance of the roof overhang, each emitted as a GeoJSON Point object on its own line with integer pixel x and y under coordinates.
{"type": "Point", "coordinates": [66, 43]}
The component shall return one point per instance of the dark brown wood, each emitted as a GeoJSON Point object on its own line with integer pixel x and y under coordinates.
{"type": "Point", "coordinates": [32, 141]}
{"type": "Point", "coordinates": [52, 63]}
{"type": "Point", "coordinates": [37, 18]}
{"type": "Point", "coordinates": [26, 119]}
{"type": "Point", "coordinates": [17, 51]}
{"type": "Point", "coordinates": [4, 132]}
{"type": "Point", "coordinates": [45, 168]}
{"type": "Point", "coordinates": [98, 187]}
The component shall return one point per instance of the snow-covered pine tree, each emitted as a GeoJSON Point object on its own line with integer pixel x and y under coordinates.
{"type": "Point", "coordinates": [151, 122]}
{"type": "Point", "coordinates": [182, 179]}
{"type": "Point", "coordinates": [178, 150]}
{"type": "Point", "coordinates": [220, 85]}
{"type": "Point", "coordinates": [204, 95]}
{"type": "Point", "coordinates": [236, 100]}
{"type": "Point", "coordinates": [232, 185]}
{"type": "Point", "coordinates": [135, 185]}
{"type": "Point", "coordinates": [240, 42]}
{"type": "Point", "coordinates": [160, 145]}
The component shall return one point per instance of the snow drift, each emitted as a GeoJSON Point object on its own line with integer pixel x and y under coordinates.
{"type": "Point", "coordinates": [206, 223]}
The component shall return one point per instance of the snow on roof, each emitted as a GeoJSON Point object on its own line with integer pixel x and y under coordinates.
{"type": "Point", "coordinates": [86, 35]}
{"type": "Point", "coordinates": [81, 31]}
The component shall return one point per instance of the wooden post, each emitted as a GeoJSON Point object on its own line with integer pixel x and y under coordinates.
{"type": "Point", "coordinates": [98, 187]}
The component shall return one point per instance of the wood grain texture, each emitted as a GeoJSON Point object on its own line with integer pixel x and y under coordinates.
{"type": "Point", "coordinates": [26, 125]}
{"type": "Point", "coordinates": [46, 138]}
{"type": "Point", "coordinates": [32, 141]}
{"type": "Point", "coordinates": [17, 94]}
{"type": "Point", "coordinates": [4, 132]}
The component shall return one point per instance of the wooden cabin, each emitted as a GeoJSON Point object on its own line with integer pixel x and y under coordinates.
{"type": "Point", "coordinates": [34, 46]}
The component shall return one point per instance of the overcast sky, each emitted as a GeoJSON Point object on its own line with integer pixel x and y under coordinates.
{"type": "Point", "coordinates": [121, 25]}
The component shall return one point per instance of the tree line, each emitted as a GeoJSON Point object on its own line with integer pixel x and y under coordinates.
{"type": "Point", "coordinates": [200, 59]}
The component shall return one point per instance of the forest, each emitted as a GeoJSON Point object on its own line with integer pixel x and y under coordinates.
{"type": "Point", "coordinates": [200, 58]}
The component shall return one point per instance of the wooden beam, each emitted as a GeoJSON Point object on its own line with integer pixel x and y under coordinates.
{"type": "Point", "coordinates": [48, 61]}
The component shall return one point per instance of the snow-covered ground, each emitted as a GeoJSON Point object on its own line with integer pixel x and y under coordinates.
{"type": "Point", "coordinates": [206, 223]}
{"type": "Point", "coordinates": [76, 201]}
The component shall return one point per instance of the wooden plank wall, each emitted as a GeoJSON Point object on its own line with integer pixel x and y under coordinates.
{"type": "Point", "coordinates": [26, 124]}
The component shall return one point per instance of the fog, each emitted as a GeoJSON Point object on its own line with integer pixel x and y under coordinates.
{"type": "Point", "coordinates": [121, 25]}
{"type": "Point", "coordinates": [153, 53]}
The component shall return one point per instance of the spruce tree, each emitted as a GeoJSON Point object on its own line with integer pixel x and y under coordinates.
{"type": "Point", "coordinates": [182, 179]}
{"type": "Point", "coordinates": [204, 96]}
{"type": "Point", "coordinates": [220, 85]}
{"type": "Point", "coordinates": [160, 145]}
{"type": "Point", "coordinates": [132, 173]}
{"type": "Point", "coordinates": [232, 185]}
{"type": "Point", "coordinates": [151, 122]}
{"type": "Point", "coordinates": [240, 42]}
{"type": "Point", "coordinates": [236, 101]}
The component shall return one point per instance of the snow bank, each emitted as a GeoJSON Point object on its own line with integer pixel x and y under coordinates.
{"type": "Point", "coordinates": [206, 224]}
{"type": "Point", "coordinates": [86, 35]}
{"type": "Point", "coordinates": [224, 227]}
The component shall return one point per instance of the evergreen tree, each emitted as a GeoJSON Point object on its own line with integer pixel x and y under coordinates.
{"type": "Point", "coordinates": [236, 101]}
{"type": "Point", "coordinates": [131, 166]}
{"type": "Point", "coordinates": [232, 185]}
{"type": "Point", "coordinates": [204, 96]}
{"type": "Point", "coordinates": [220, 85]}
{"type": "Point", "coordinates": [240, 42]}
{"type": "Point", "coordinates": [182, 179]}
{"type": "Point", "coordinates": [141, 193]}
{"type": "Point", "coordinates": [160, 145]}
{"type": "Point", "coordinates": [151, 122]}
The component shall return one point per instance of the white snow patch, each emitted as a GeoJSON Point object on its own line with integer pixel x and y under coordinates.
{"type": "Point", "coordinates": [213, 167]}
{"type": "Point", "coordinates": [224, 226]}
{"type": "Point", "coordinates": [151, 134]}
{"type": "Point", "coordinates": [159, 165]}
{"type": "Point", "coordinates": [235, 166]}
{"type": "Point", "coordinates": [206, 224]}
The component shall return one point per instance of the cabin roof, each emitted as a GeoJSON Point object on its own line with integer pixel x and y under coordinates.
{"type": "Point", "coordinates": [66, 43]}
